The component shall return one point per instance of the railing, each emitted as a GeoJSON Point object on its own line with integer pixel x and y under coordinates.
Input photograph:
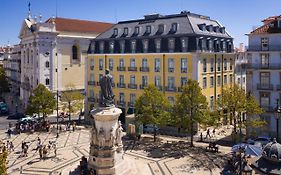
{"type": "Point", "coordinates": [91, 99]}
{"type": "Point", "coordinates": [144, 69]}
{"type": "Point", "coordinates": [91, 83]}
{"type": "Point", "coordinates": [132, 68]}
{"type": "Point", "coordinates": [260, 48]}
{"type": "Point", "coordinates": [157, 69]}
{"type": "Point", "coordinates": [170, 69]}
{"type": "Point", "coordinates": [263, 66]}
{"type": "Point", "coordinates": [264, 86]}
{"type": "Point", "coordinates": [121, 68]}
{"type": "Point", "coordinates": [142, 86]}
{"type": "Point", "coordinates": [183, 70]}
{"type": "Point", "coordinates": [121, 85]}
{"type": "Point", "coordinates": [121, 103]}
{"type": "Point", "coordinates": [132, 86]}
{"type": "Point", "coordinates": [268, 108]}
{"type": "Point", "coordinates": [131, 104]}
{"type": "Point", "coordinates": [171, 88]}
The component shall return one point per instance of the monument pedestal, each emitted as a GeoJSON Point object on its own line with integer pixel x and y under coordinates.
{"type": "Point", "coordinates": [106, 148]}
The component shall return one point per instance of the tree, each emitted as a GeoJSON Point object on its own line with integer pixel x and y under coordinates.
{"type": "Point", "coordinates": [4, 84]}
{"type": "Point", "coordinates": [72, 99]}
{"type": "Point", "coordinates": [152, 107]}
{"type": "Point", "coordinates": [41, 101]}
{"type": "Point", "coordinates": [3, 162]}
{"type": "Point", "coordinates": [191, 106]}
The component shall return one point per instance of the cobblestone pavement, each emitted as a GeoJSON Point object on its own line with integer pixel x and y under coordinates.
{"type": "Point", "coordinates": [148, 158]}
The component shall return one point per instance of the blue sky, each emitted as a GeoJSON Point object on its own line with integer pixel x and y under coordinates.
{"type": "Point", "coordinates": [238, 16]}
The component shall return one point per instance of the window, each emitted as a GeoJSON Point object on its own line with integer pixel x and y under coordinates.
{"type": "Point", "coordinates": [264, 43]}
{"type": "Point", "coordinates": [137, 30]}
{"type": "Point", "coordinates": [92, 64]}
{"type": "Point", "coordinates": [121, 97]}
{"type": "Point", "coordinates": [204, 65]}
{"type": "Point", "coordinates": [210, 28]}
{"type": "Point", "coordinates": [210, 43]}
{"type": "Point", "coordinates": [279, 23]}
{"type": "Point", "coordinates": [222, 30]}
{"type": "Point", "coordinates": [171, 82]}
{"type": "Point", "coordinates": [144, 80]}
{"type": "Point", "coordinates": [264, 99]}
{"type": "Point", "coordinates": [101, 45]}
{"type": "Point", "coordinates": [133, 46]}
{"type": "Point", "coordinates": [184, 44]}
{"type": "Point", "coordinates": [219, 65]}
{"type": "Point", "coordinates": [230, 64]}
{"type": "Point", "coordinates": [100, 76]}
{"type": "Point", "coordinates": [219, 80]}
{"type": "Point", "coordinates": [92, 77]}
{"type": "Point", "coordinates": [174, 27]}
{"type": "Point", "coordinates": [160, 28]}
{"type": "Point", "coordinates": [47, 81]}
{"type": "Point", "coordinates": [132, 79]}
{"type": "Point", "coordinates": [148, 29]}
{"type": "Point", "coordinates": [125, 31]}
{"type": "Point", "coordinates": [264, 78]}
{"type": "Point", "coordinates": [115, 32]}
{"type": "Point", "coordinates": [212, 102]}
{"type": "Point", "coordinates": [244, 80]}
{"type": "Point", "coordinates": [100, 64]}
{"type": "Point", "coordinates": [158, 45]}
{"type": "Point", "coordinates": [171, 100]}
{"type": "Point", "coordinates": [212, 65]}
{"type": "Point", "coordinates": [224, 64]}
{"type": "Point", "coordinates": [110, 64]}
{"type": "Point", "coordinates": [144, 62]}
{"type": "Point", "coordinates": [171, 44]}
{"type": "Point", "coordinates": [203, 44]}
{"type": "Point", "coordinates": [184, 65]}
{"type": "Point", "coordinates": [238, 80]}
{"type": "Point", "coordinates": [265, 60]}
{"type": "Point", "coordinates": [122, 46]}
{"type": "Point", "coordinates": [204, 82]}
{"type": "Point", "coordinates": [74, 52]}
{"type": "Point", "coordinates": [171, 65]}
{"type": "Point", "coordinates": [121, 79]}
{"type": "Point", "coordinates": [225, 79]}
{"type": "Point", "coordinates": [47, 64]}
{"type": "Point", "coordinates": [211, 81]}
{"type": "Point", "coordinates": [132, 62]}
{"type": "Point", "coordinates": [121, 62]}
{"type": "Point", "coordinates": [157, 64]}
{"type": "Point", "coordinates": [92, 94]}
{"type": "Point", "coordinates": [132, 98]}
{"type": "Point", "coordinates": [111, 46]}
{"type": "Point", "coordinates": [223, 46]}
{"type": "Point", "coordinates": [183, 81]}
{"type": "Point", "coordinates": [230, 78]}
{"type": "Point", "coordinates": [157, 81]}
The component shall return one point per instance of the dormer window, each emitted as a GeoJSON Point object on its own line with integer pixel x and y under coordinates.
{"type": "Point", "coordinates": [160, 28]}
{"type": "Point", "coordinates": [174, 27]}
{"type": "Point", "coordinates": [115, 32]}
{"type": "Point", "coordinates": [222, 30]}
{"type": "Point", "coordinates": [137, 30]}
{"type": "Point", "coordinates": [202, 27]}
{"type": "Point", "coordinates": [148, 29]}
{"type": "Point", "coordinates": [126, 31]}
{"type": "Point", "coordinates": [217, 29]}
{"type": "Point", "coordinates": [210, 28]}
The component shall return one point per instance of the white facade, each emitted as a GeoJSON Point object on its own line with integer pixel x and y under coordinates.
{"type": "Point", "coordinates": [264, 75]}
{"type": "Point", "coordinates": [240, 69]}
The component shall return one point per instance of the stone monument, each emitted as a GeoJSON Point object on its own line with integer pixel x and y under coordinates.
{"type": "Point", "coordinates": [106, 148]}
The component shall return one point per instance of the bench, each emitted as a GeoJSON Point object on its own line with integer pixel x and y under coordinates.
{"type": "Point", "coordinates": [213, 147]}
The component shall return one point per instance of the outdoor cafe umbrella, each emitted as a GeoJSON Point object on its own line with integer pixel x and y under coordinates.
{"type": "Point", "coordinates": [248, 149]}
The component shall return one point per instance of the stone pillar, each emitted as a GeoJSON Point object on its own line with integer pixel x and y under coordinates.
{"type": "Point", "coordinates": [106, 148]}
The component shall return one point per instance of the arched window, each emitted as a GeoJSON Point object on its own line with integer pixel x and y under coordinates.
{"type": "Point", "coordinates": [74, 52]}
{"type": "Point", "coordinates": [47, 64]}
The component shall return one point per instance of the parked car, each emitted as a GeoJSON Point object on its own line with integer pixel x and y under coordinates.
{"type": "Point", "coordinates": [16, 116]}
{"type": "Point", "coordinates": [3, 108]}
{"type": "Point", "coordinates": [260, 141]}
{"type": "Point", "coordinates": [149, 128]}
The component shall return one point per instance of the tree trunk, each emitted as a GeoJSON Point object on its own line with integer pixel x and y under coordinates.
{"type": "Point", "coordinates": [69, 111]}
{"type": "Point", "coordinates": [154, 134]}
{"type": "Point", "coordinates": [240, 126]}
{"type": "Point", "coordinates": [191, 129]}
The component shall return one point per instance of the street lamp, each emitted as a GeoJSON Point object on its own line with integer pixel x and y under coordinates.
{"type": "Point", "coordinates": [247, 170]}
{"type": "Point", "coordinates": [277, 116]}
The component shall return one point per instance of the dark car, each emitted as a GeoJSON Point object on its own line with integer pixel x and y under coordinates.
{"type": "Point", "coordinates": [3, 108]}
{"type": "Point", "coordinates": [16, 116]}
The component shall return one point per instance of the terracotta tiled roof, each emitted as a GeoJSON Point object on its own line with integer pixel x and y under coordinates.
{"type": "Point", "coordinates": [269, 26]}
{"type": "Point", "coordinates": [75, 25]}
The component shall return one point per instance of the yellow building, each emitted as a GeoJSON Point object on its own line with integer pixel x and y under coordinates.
{"type": "Point", "coordinates": [160, 50]}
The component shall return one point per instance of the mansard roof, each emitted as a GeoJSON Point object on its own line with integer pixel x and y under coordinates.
{"type": "Point", "coordinates": [187, 24]}
{"type": "Point", "coordinates": [77, 25]}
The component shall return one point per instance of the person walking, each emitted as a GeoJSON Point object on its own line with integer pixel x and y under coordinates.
{"type": "Point", "coordinates": [214, 132]}
{"type": "Point", "coordinates": [55, 149]}
{"type": "Point", "coordinates": [9, 132]}
{"type": "Point", "coordinates": [208, 133]}
{"type": "Point", "coordinates": [73, 126]}
{"type": "Point", "coordinates": [12, 147]}
{"type": "Point", "coordinates": [40, 152]}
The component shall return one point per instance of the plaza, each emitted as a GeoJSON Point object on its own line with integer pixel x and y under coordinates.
{"type": "Point", "coordinates": [167, 156]}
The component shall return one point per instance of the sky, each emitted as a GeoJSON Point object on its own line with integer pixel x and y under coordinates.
{"type": "Point", "coordinates": [238, 16]}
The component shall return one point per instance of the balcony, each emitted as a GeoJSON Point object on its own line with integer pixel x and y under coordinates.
{"type": "Point", "coordinates": [122, 68]}
{"type": "Point", "coordinates": [121, 103]}
{"type": "Point", "coordinates": [183, 70]}
{"type": "Point", "coordinates": [91, 99]}
{"type": "Point", "coordinates": [142, 86]}
{"type": "Point", "coordinates": [260, 48]}
{"type": "Point", "coordinates": [264, 86]}
{"type": "Point", "coordinates": [171, 69]}
{"type": "Point", "coordinates": [132, 86]}
{"type": "Point", "coordinates": [263, 66]}
{"type": "Point", "coordinates": [144, 69]}
{"type": "Point", "coordinates": [132, 69]}
{"type": "Point", "coordinates": [131, 104]}
{"type": "Point", "coordinates": [121, 85]}
{"type": "Point", "coordinates": [91, 83]}
{"type": "Point", "coordinates": [157, 69]}
{"type": "Point", "coordinates": [278, 87]}
{"type": "Point", "coordinates": [97, 83]}
{"type": "Point", "coordinates": [268, 108]}
{"type": "Point", "coordinates": [171, 88]}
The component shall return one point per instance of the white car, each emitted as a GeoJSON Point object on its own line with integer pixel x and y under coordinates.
{"type": "Point", "coordinates": [149, 128]}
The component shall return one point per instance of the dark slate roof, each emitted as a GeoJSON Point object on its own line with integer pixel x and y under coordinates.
{"type": "Point", "coordinates": [188, 24]}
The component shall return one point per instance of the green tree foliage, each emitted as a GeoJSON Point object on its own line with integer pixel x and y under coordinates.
{"type": "Point", "coordinates": [191, 107]}
{"type": "Point", "coordinates": [152, 107]}
{"type": "Point", "coordinates": [72, 100]}
{"type": "Point", "coordinates": [41, 101]}
{"type": "Point", "coordinates": [4, 84]}
{"type": "Point", "coordinates": [3, 163]}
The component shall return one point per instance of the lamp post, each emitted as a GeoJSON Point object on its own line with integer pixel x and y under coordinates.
{"type": "Point", "coordinates": [247, 170]}
{"type": "Point", "coordinates": [277, 116]}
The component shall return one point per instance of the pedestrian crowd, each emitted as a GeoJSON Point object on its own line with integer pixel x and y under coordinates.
{"type": "Point", "coordinates": [45, 150]}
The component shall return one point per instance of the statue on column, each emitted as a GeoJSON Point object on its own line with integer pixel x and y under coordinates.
{"type": "Point", "coordinates": [107, 96]}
